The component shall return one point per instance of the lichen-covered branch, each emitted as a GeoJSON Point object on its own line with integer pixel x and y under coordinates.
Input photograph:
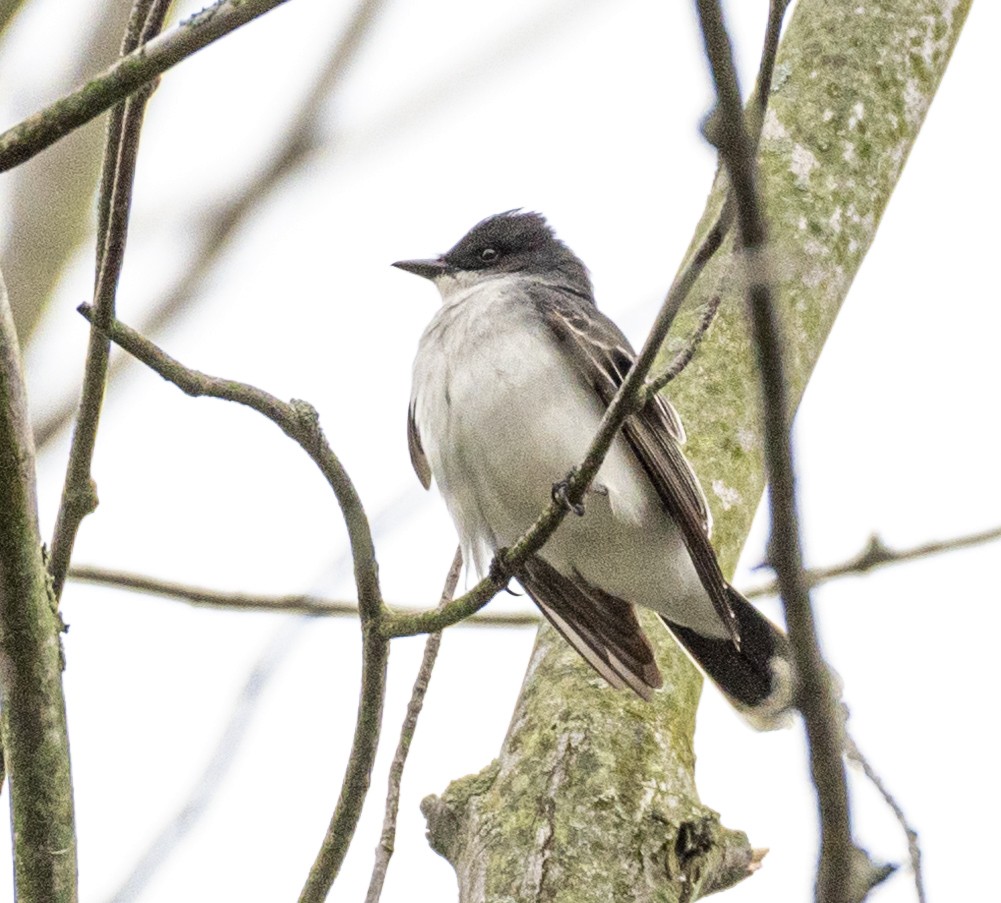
{"type": "Point", "coordinates": [583, 761]}
{"type": "Point", "coordinates": [35, 742]}
{"type": "Point", "coordinates": [31, 136]}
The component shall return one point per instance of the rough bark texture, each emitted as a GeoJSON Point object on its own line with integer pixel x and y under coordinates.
{"type": "Point", "coordinates": [593, 796]}
{"type": "Point", "coordinates": [35, 743]}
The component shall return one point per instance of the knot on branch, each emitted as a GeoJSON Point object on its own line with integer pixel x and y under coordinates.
{"type": "Point", "coordinates": [707, 857]}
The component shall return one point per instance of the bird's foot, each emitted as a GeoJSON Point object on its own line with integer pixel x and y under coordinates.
{"type": "Point", "coordinates": [499, 572]}
{"type": "Point", "coordinates": [561, 496]}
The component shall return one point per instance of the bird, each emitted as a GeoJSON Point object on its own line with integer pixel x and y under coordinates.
{"type": "Point", "coordinates": [510, 381]}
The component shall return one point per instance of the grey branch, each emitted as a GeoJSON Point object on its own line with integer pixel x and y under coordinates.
{"type": "Point", "coordinates": [300, 422]}
{"type": "Point", "coordinates": [844, 872]}
{"type": "Point", "coordinates": [291, 603]}
{"type": "Point", "coordinates": [384, 851]}
{"type": "Point", "coordinates": [877, 554]}
{"type": "Point", "coordinates": [31, 136]}
{"type": "Point", "coordinates": [35, 741]}
{"type": "Point", "coordinates": [913, 846]}
{"type": "Point", "coordinates": [79, 495]}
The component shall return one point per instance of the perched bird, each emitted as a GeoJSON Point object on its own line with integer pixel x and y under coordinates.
{"type": "Point", "coordinates": [510, 382]}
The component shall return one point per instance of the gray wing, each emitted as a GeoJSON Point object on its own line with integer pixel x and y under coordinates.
{"type": "Point", "coordinates": [417, 457]}
{"type": "Point", "coordinates": [604, 356]}
{"type": "Point", "coordinates": [601, 627]}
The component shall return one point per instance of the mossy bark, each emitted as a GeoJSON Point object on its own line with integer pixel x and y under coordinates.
{"type": "Point", "coordinates": [35, 741]}
{"type": "Point", "coordinates": [593, 796]}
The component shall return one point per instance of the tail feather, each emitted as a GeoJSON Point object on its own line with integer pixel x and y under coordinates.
{"type": "Point", "coordinates": [757, 676]}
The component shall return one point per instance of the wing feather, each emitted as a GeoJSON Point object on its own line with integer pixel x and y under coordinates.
{"type": "Point", "coordinates": [604, 356]}
{"type": "Point", "coordinates": [417, 457]}
{"type": "Point", "coordinates": [601, 627]}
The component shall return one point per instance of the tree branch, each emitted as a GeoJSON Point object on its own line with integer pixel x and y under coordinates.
{"type": "Point", "coordinates": [877, 554]}
{"type": "Point", "coordinates": [35, 741]}
{"type": "Point", "coordinates": [300, 422]}
{"type": "Point", "coordinates": [295, 603]}
{"type": "Point", "coordinates": [131, 72]}
{"type": "Point", "coordinates": [913, 846]}
{"type": "Point", "coordinates": [79, 496]}
{"type": "Point", "coordinates": [844, 872]}
{"type": "Point", "coordinates": [384, 851]}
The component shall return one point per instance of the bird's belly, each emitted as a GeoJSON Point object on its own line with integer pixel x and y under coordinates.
{"type": "Point", "coordinates": [517, 424]}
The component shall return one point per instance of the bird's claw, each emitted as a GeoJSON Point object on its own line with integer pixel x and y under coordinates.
{"type": "Point", "coordinates": [560, 495]}
{"type": "Point", "coordinates": [498, 571]}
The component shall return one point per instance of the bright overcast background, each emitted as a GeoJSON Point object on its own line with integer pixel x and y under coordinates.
{"type": "Point", "coordinates": [588, 112]}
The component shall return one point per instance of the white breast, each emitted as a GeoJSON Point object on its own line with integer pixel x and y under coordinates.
{"type": "Point", "coordinates": [503, 414]}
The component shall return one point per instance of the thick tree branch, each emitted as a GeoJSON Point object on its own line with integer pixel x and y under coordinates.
{"type": "Point", "coordinates": [22, 141]}
{"type": "Point", "coordinates": [35, 742]}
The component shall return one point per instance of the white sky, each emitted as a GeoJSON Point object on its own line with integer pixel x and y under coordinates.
{"type": "Point", "coordinates": [594, 122]}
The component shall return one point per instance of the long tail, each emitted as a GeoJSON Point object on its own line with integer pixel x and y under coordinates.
{"type": "Point", "coordinates": [757, 677]}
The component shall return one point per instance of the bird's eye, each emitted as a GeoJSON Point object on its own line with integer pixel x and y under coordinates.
{"type": "Point", "coordinates": [489, 255]}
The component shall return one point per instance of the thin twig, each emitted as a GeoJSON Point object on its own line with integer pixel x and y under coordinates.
{"type": "Point", "coordinates": [235, 731]}
{"type": "Point", "coordinates": [684, 356]}
{"type": "Point", "coordinates": [299, 141]}
{"type": "Point", "coordinates": [118, 81]}
{"type": "Point", "coordinates": [384, 851]}
{"type": "Point", "coordinates": [913, 844]}
{"type": "Point", "coordinates": [756, 121]}
{"type": "Point", "coordinates": [877, 554]}
{"type": "Point", "coordinates": [297, 419]}
{"type": "Point", "coordinates": [292, 603]}
{"type": "Point", "coordinates": [766, 67]}
{"type": "Point", "coordinates": [79, 495]}
{"type": "Point", "coordinates": [844, 873]}
{"type": "Point", "coordinates": [300, 422]}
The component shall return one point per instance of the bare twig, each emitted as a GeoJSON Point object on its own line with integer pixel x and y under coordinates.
{"type": "Point", "coordinates": [844, 871]}
{"type": "Point", "coordinates": [766, 67]}
{"type": "Point", "coordinates": [233, 735]}
{"type": "Point", "coordinates": [296, 603]}
{"type": "Point", "coordinates": [299, 141]}
{"type": "Point", "coordinates": [50, 205]}
{"type": "Point", "coordinates": [79, 496]}
{"type": "Point", "coordinates": [384, 851]}
{"type": "Point", "coordinates": [297, 419]}
{"type": "Point", "coordinates": [913, 844]}
{"type": "Point", "coordinates": [684, 356]}
{"type": "Point", "coordinates": [877, 554]}
{"type": "Point", "coordinates": [38, 131]}
{"type": "Point", "coordinates": [35, 741]}
{"type": "Point", "coordinates": [715, 236]}
{"type": "Point", "coordinates": [300, 422]}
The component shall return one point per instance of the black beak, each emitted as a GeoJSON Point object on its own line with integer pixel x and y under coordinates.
{"type": "Point", "coordinates": [429, 269]}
